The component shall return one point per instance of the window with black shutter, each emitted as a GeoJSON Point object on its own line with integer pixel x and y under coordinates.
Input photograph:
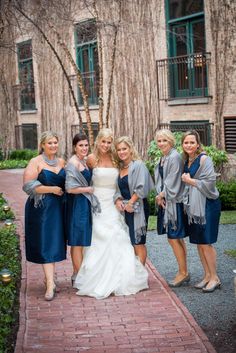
{"type": "Point", "coordinates": [230, 134]}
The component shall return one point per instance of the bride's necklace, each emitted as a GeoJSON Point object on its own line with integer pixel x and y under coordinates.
{"type": "Point", "coordinates": [51, 162]}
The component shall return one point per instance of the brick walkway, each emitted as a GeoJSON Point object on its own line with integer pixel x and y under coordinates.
{"type": "Point", "coordinates": [149, 322]}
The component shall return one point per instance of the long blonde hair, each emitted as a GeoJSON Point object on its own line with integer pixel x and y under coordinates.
{"type": "Point", "coordinates": [45, 136]}
{"type": "Point", "coordinates": [104, 133]}
{"type": "Point", "coordinates": [127, 140]}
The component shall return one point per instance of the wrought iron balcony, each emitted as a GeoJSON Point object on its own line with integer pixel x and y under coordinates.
{"type": "Point", "coordinates": [24, 96]}
{"type": "Point", "coordinates": [204, 128]}
{"type": "Point", "coordinates": [91, 87]}
{"type": "Point", "coordinates": [183, 76]}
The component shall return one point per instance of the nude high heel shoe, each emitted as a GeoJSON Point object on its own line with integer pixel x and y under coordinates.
{"type": "Point", "coordinates": [50, 292]}
{"type": "Point", "coordinates": [216, 285]}
{"type": "Point", "coordinates": [186, 279]}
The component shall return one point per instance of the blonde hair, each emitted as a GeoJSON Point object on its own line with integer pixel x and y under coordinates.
{"type": "Point", "coordinates": [127, 140]}
{"type": "Point", "coordinates": [45, 136]}
{"type": "Point", "coordinates": [166, 134]}
{"type": "Point", "coordinates": [104, 133]}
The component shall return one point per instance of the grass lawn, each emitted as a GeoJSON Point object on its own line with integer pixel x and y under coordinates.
{"type": "Point", "coordinates": [231, 252]}
{"type": "Point", "coordinates": [227, 217]}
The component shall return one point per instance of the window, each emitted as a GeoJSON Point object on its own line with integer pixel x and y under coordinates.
{"type": "Point", "coordinates": [75, 129]}
{"type": "Point", "coordinates": [26, 76]}
{"type": "Point", "coordinates": [186, 42]}
{"type": "Point", "coordinates": [87, 59]}
{"type": "Point", "coordinates": [230, 134]}
{"type": "Point", "coordinates": [203, 127]}
{"type": "Point", "coordinates": [26, 136]}
{"type": "Point", "coordinates": [182, 8]}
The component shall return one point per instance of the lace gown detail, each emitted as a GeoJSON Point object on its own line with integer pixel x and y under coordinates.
{"type": "Point", "coordinates": [109, 265]}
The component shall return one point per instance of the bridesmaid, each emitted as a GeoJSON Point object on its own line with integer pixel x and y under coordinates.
{"type": "Point", "coordinates": [79, 197]}
{"type": "Point", "coordinates": [202, 207]}
{"type": "Point", "coordinates": [169, 201]}
{"type": "Point", "coordinates": [44, 181]}
{"type": "Point", "coordinates": [134, 182]}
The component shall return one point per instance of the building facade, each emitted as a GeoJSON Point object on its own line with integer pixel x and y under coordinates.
{"type": "Point", "coordinates": [144, 65]}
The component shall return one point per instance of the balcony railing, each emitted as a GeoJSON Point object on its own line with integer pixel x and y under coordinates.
{"type": "Point", "coordinates": [24, 96]}
{"type": "Point", "coordinates": [27, 96]}
{"type": "Point", "coordinates": [204, 128]}
{"type": "Point", "coordinates": [91, 87]}
{"type": "Point", "coordinates": [183, 76]}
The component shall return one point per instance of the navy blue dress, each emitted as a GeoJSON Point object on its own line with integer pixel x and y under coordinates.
{"type": "Point", "coordinates": [203, 233]}
{"type": "Point", "coordinates": [44, 226]}
{"type": "Point", "coordinates": [172, 233]}
{"type": "Point", "coordinates": [79, 217]}
{"type": "Point", "coordinates": [129, 217]}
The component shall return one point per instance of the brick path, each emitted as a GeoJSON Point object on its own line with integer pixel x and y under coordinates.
{"type": "Point", "coordinates": [153, 321]}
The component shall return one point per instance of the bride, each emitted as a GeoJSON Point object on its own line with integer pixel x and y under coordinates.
{"type": "Point", "coordinates": [109, 265]}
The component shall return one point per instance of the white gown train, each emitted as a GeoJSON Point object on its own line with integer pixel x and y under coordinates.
{"type": "Point", "coordinates": [109, 264]}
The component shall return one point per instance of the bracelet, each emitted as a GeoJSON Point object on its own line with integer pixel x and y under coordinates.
{"type": "Point", "coordinates": [130, 203]}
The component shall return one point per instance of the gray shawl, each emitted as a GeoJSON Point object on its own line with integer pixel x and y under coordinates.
{"type": "Point", "coordinates": [172, 185]}
{"type": "Point", "coordinates": [75, 179]}
{"type": "Point", "coordinates": [29, 188]}
{"type": "Point", "coordinates": [195, 197]}
{"type": "Point", "coordinates": [140, 183]}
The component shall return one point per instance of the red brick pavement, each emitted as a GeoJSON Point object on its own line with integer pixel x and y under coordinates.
{"type": "Point", "coordinates": [152, 321]}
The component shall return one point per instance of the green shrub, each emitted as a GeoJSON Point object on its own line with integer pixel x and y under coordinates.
{"type": "Point", "coordinates": [227, 192]}
{"type": "Point", "coordinates": [23, 154]}
{"type": "Point", "coordinates": [152, 203]}
{"type": "Point", "coordinates": [12, 164]}
{"type": "Point", "coordinates": [219, 157]}
{"type": "Point", "coordinates": [9, 294]}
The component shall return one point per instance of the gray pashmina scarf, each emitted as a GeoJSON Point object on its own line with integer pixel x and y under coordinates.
{"type": "Point", "coordinates": [75, 179]}
{"type": "Point", "coordinates": [29, 189]}
{"type": "Point", "coordinates": [194, 198]}
{"type": "Point", "coordinates": [140, 183]}
{"type": "Point", "coordinates": [171, 185]}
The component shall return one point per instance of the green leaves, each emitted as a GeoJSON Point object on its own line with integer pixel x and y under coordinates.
{"type": "Point", "coordinates": [18, 159]}
{"type": "Point", "coordinates": [9, 294]}
{"type": "Point", "coordinates": [218, 156]}
{"type": "Point", "coordinates": [227, 194]}
{"type": "Point", "coordinates": [24, 154]}
{"type": "Point", "coordinates": [12, 164]}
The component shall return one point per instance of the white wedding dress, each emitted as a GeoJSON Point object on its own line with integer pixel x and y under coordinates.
{"type": "Point", "coordinates": [109, 264]}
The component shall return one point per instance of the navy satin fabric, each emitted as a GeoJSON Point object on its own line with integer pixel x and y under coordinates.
{"type": "Point", "coordinates": [129, 217]}
{"type": "Point", "coordinates": [44, 226]}
{"type": "Point", "coordinates": [79, 217]}
{"type": "Point", "coordinates": [203, 233]}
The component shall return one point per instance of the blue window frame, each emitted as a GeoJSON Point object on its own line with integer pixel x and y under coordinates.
{"type": "Point", "coordinates": [87, 59]}
{"type": "Point", "coordinates": [26, 76]}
